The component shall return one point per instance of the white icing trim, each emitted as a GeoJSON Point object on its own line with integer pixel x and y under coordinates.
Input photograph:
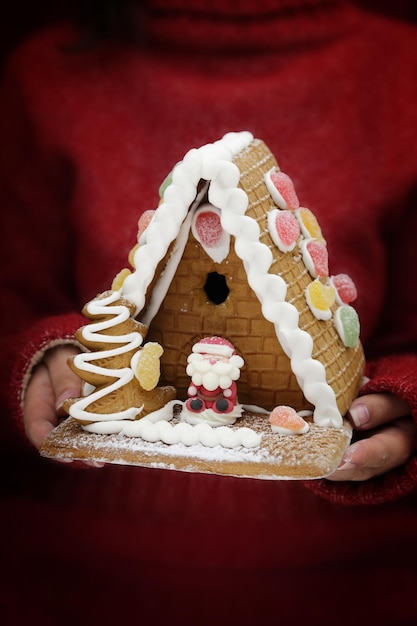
{"type": "Point", "coordinates": [156, 427]}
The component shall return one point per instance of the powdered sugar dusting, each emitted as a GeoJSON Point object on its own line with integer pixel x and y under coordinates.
{"type": "Point", "coordinates": [312, 455]}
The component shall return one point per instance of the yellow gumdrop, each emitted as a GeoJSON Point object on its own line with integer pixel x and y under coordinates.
{"type": "Point", "coordinates": [119, 279]}
{"type": "Point", "coordinates": [321, 296]}
{"type": "Point", "coordinates": [148, 369]}
{"type": "Point", "coordinates": [310, 225]}
{"type": "Point", "coordinates": [132, 255]}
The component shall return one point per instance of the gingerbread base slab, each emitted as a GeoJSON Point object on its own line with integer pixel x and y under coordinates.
{"type": "Point", "coordinates": [315, 454]}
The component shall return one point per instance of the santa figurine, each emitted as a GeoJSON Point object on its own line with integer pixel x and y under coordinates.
{"type": "Point", "coordinates": [214, 368]}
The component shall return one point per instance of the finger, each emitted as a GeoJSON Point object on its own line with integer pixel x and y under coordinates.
{"type": "Point", "coordinates": [65, 383]}
{"type": "Point", "coordinates": [375, 409]}
{"type": "Point", "coordinates": [39, 413]}
{"type": "Point", "coordinates": [390, 447]}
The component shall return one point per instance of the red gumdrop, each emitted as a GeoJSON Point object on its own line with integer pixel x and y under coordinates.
{"type": "Point", "coordinates": [287, 227]}
{"type": "Point", "coordinates": [319, 257]}
{"type": "Point", "coordinates": [209, 228]}
{"type": "Point", "coordinates": [285, 186]}
{"type": "Point", "coordinates": [345, 287]}
{"type": "Point", "coordinates": [144, 221]}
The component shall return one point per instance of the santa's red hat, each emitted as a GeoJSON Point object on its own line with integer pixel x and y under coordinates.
{"type": "Point", "coordinates": [214, 345]}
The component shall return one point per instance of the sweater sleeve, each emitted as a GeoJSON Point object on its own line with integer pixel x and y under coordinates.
{"type": "Point", "coordinates": [36, 255]}
{"type": "Point", "coordinates": [390, 374]}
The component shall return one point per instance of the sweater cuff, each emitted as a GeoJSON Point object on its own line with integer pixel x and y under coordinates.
{"type": "Point", "coordinates": [34, 343]}
{"type": "Point", "coordinates": [396, 375]}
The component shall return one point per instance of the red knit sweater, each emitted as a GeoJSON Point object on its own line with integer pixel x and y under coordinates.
{"type": "Point", "coordinates": [86, 139]}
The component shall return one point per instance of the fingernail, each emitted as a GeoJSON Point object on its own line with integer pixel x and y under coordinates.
{"type": "Point", "coordinates": [359, 414]}
{"type": "Point", "coordinates": [345, 465]}
{"type": "Point", "coordinates": [65, 395]}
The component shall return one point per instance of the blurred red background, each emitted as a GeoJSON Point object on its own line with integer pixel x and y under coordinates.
{"type": "Point", "coordinates": [21, 17]}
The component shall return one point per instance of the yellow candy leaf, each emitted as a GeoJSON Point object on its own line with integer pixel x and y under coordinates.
{"type": "Point", "coordinates": [148, 369]}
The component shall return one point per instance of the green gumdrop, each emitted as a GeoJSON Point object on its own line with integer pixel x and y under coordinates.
{"type": "Point", "coordinates": [347, 324]}
{"type": "Point", "coordinates": [166, 183]}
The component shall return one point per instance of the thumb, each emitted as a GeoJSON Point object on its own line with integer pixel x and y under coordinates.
{"type": "Point", "coordinates": [65, 383]}
{"type": "Point", "coordinates": [376, 409]}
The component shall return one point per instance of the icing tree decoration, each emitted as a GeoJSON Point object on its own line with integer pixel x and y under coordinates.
{"type": "Point", "coordinates": [320, 299]}
{"type": "Point", "coordinates": [315, 257]}
{"type": "Point", "coordinates": [120, 391]}
{"type": "Point", "coordinates": [347, 324]}
{"type": "Point", "coordinates": [284, 229]}
{"type": "Point", "coordinates": [281, 188]}
{"type": "Point", "coordinates": [284, 420]}
{"type": "Point", "coordinates": [214, 368]}
{"type": "Point", "coordinates": [207, 229]}
{"type": "Point", "coordinates": [346, 291]}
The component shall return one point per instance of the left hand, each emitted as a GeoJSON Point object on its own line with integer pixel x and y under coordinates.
{"type": "Point", "coordinates": [391, 440]}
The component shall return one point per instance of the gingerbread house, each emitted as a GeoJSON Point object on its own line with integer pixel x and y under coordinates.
{"type": "Point", "coordinates": [230, 252]}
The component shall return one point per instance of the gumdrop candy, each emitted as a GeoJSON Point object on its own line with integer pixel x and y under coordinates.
{"type": "Point", "coordinates": [208, 227]}
{"type": "Point", "coordinates": [131, 257]}
{"type": "Point", "coordinates": [281, 188]}
{"type": "Point", "coordinates": [320, 299]}
{"type": "Point", "coordinates": [119, 279]}
{"type": "Point", "coordinates": [144, 221]}
{"type": "Point", "coordinates": [285, 420]}
{"type": "Point", "coordinates": [165, 183]}
{"type": "Point", "coordinates": [345, 288]}
{"type": "Point", "coordinates": [347, 325]}
{"type": "Point", "coordinates": [315, 257]}
{"type": "Point", "coordinates": [284, 229]}
{"type": "Point", "coordinates": [309, 224]}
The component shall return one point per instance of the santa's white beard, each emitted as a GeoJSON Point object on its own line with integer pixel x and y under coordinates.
{"type": "Point", "coordinates": [211, 376]}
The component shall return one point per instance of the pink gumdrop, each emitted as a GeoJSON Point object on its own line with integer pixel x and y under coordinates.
{"type": "Point", "coordinates": [209, 228]}
{"type": "Point", "coordinates": [319, 257]}
{"type": "Point", "coordinates": [285, 186]}
{"type": "Point", "coordinates": [144, 221]}
{"type": "Point", "coordinates": [345, 287]}
{"type": "Point", "coordinates": [287, 228]}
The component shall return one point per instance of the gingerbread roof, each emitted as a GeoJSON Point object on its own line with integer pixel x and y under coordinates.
{"type": "Point", "coordinates": [219, 202]}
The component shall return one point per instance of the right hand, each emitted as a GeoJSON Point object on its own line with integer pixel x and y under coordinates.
{"type": "Point", "coordinates": [52, 382]}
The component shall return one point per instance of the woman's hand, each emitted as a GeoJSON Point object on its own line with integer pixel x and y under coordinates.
{"type": "Point", "coordinates": [51, 384]}
{"type": "Point", "coordinates": [390, 437]}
